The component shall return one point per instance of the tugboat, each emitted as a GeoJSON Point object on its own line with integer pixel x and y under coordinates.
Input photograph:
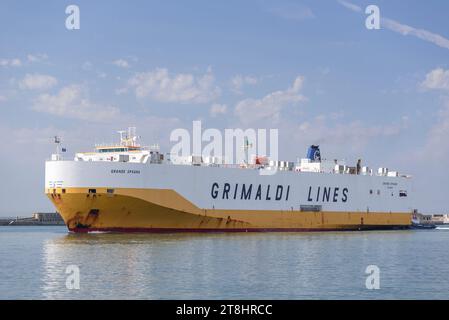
{"type": "Point", "coordinates": [421, 221]}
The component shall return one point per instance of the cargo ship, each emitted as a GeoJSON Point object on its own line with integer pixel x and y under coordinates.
{"type": "Point", "coordinates": [126, 187]}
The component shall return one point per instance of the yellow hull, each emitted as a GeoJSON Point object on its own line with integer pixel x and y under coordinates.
{"type": "Point", "coordinates": [156, 210]}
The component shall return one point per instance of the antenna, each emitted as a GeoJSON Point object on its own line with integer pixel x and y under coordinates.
{"type": "Point", "coordinates": [122, 134]}
{"type": "Point", "coordinates": [132, 136]}
{"type": "Point", "coordinates": [129, 137]}
{"type": "Point", "coordinates": [57, 141]}
{"type": "Point", "coordinates": [246, 145]}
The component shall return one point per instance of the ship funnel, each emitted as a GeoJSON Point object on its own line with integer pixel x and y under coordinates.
{"type": "Point", "coordinates": [313, 153]}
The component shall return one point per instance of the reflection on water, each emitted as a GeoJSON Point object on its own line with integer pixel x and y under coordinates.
{"type": "Point", "coordinates": [413, 264]}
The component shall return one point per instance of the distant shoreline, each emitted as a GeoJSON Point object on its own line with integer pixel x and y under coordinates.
{"type": "Point", "coordinates": [14, 222]}
{"type": "Point", "coordinates": [37, 219]}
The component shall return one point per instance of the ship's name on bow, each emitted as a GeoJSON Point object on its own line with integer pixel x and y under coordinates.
{"type": "Point", "coordinates": [122, 171]}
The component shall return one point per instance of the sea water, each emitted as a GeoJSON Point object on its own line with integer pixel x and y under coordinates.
{"type": "Point", "coordinates": [50, 263]}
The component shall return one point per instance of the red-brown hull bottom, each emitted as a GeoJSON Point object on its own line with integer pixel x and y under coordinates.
{"type": "Point", "coordinates": [186, 230]}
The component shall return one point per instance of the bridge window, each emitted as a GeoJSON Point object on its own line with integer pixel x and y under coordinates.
{"type": "Point", "coordinates": [113, 150]}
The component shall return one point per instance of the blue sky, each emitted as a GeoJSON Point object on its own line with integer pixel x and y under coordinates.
{"type": "Point", "coordinates": [380, 95]}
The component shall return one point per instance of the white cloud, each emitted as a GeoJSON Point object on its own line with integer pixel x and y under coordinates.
{"type": "Point", "coordinates": [333, 132]}
{"type": "Point", "coordinates": [404, 29]}
{"type": "Point", "coordinates": [238, 81]}
{"type": "Point", "coordinates": [122, 63]}
{"type": "Point", "coordinates": [37, 81]}
{"type": "Point", "coordinates": [293, 12]}
{"type": "Point", "coordinates": [87, 66]}
{"type": "Point", "coordinates": [437, 137]}
{"type": "Point", "coordinates": [37, 57]}
{"type": "Point", "coordinates": [270, 106]}
{"type": "Point", "coordinates": [73, 102]}
{"type": "Point", "coordinates": [121, 91]}
{"type": "Point", "coordinates": [2, 98]}
{"type": "Point", "coordinates": [15, 62]}
{"type": "Point", "coordinates": [437, 79]}
{"type": "Point", "coordinates": [354, 134]}
{"type": "Point", "coordinates": [217, 109]}
{"type": "Point", "coordinates": [350, 6]}
{"type": "Point", "coordinates": [419, 33]}
{"type": "Point", "coordinates": [159, 85]}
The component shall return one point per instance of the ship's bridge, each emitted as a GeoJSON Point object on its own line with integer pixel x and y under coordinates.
{"type": "Point", "coordinates": [128, 150]}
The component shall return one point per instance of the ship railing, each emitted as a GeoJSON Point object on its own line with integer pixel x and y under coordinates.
{"type": "Point", "coordinates": [229, 166]}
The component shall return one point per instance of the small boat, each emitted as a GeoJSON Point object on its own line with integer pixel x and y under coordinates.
{"type": "Point", "coordinates": [422, 221]}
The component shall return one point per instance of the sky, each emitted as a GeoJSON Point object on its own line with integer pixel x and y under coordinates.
{"type": "Point", "coordinates": [311, 69]}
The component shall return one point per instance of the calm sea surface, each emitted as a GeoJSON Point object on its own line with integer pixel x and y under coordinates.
{"type": "Point", "coordinates": [412, 264]}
